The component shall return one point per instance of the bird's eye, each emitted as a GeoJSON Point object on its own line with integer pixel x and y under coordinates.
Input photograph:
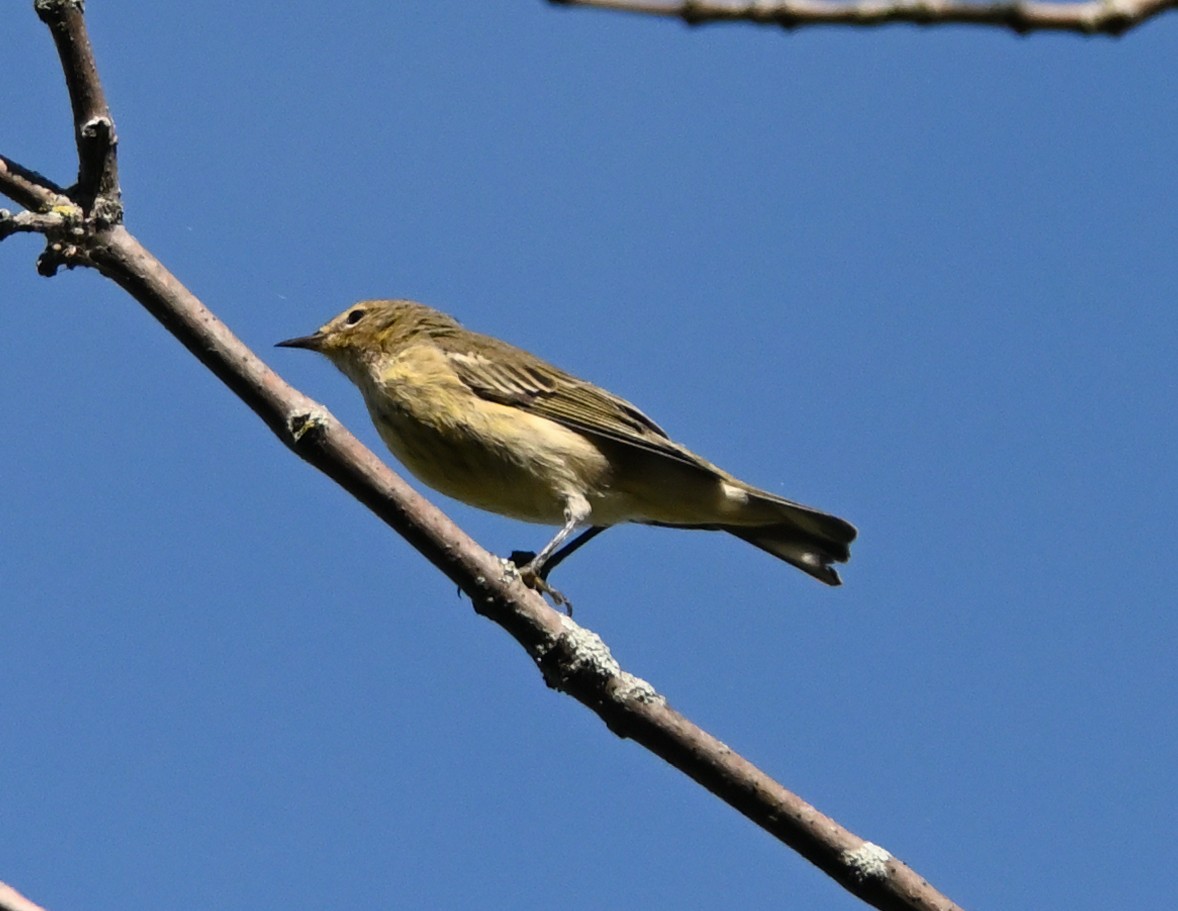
{"type": "Point", "coordinates": [355, 316]}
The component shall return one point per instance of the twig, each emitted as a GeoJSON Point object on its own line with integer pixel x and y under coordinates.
{"type": "Point", "coordinates": [572, 659]}
{"type": "Point", "coordinates": [1088, 17]}
{"type": "Point", "coordinates": [27, 187]}
{"type": "Point", "coordinates": [11, 900]}
{"type": "Point", "coordinates": [97, 190]}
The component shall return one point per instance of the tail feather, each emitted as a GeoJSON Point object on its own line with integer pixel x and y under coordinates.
{"type": "Point", "coordinates": [807, 553]}
{"type": "Point", "coordinates": [699, 495]}
{"type": "Point", "coordinates": [802, 536]}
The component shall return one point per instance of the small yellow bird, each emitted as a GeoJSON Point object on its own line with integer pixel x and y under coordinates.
{"type": "Point", "coordinates": [491, 425]}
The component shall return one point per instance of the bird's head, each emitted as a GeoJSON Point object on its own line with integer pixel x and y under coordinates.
{"type": "Point", "coordinates": [372, 330]}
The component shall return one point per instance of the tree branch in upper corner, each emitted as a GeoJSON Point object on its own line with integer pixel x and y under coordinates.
{"type": "Point", "coordinates": [1089, 17]}
{"type": "Point", "coordinates": [83, 226]}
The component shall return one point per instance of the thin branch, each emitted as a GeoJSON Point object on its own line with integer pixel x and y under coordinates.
{"type": "Point", "coordinates": [53, 215]}
{"type": "Point", "coordinates": [572, 659]}
{"type": "Point", "coordinates": [97, 190]}
{"type": "Point", "coordinates": [11, 900]}
{"type": "Point", "coordinates": [1089, 17]}
{"type": "Point", "coordinates": [27, 187]}
{"type": "Point", "coordinates": [30, 223]}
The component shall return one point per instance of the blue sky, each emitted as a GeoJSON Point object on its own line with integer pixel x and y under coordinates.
{"type": "Point", "coordinates": [924, 279]}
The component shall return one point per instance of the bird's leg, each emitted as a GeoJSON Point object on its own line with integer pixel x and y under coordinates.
{"type": "Point", "coordinates": [572, 547]}
{"type": "Point", "coordinates": [523, 557]}
{"type": "Point", "coordinates": [533, 573]}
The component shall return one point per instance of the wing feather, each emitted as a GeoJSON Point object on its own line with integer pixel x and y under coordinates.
{"type": "Point", "coordinates": [511, 376]}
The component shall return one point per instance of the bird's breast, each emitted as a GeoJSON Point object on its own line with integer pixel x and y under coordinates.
{"type": "Point", "coordinates": [496, 457]}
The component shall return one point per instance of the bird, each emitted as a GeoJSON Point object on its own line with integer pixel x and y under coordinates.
{"type": "Point", "coordinates": [498, 428]}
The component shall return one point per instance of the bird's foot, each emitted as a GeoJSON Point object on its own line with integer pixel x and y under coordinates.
{"type": "Point", "coordinates": [538, 581]}
{"type": "Point", "coordinates": [522, 558]}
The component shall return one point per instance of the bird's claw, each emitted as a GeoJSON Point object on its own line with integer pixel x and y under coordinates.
{"type": "Point", "coordinates": [536, 582]}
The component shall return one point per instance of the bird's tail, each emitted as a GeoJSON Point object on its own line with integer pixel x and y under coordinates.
{"type": "Point", "coordinates": [801, 536]}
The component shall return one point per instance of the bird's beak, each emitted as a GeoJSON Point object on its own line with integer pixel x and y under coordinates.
{"type": "Point", "coordinates": [310, 342]}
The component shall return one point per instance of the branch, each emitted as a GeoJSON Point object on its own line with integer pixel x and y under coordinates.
{"type": "Point", "coordinates": [1090, 17]}
{"type": "Point", "coordinates": [30, 189]}
{"type": "Point", "coordinates": [571, 658]}
{"type": "Point", "coordinates": [97, 190]}
{"type": "Point", "coordinates": [53, 215]}
{"type": "Point", "coordinates": [11, 900]}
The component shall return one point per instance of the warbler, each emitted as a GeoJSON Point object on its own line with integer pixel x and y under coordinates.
{"type": "Point", "coordinates": [489, 424]}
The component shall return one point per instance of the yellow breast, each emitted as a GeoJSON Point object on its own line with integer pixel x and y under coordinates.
{"type": "Point", "coordinates": [488, 455]}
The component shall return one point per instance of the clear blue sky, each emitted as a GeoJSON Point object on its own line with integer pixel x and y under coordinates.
{"type": "Point", "coordinates": [923, 279]}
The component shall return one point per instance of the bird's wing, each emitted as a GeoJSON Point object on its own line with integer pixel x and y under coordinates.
{"type": "Point", "coordinates": [511, 376]}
